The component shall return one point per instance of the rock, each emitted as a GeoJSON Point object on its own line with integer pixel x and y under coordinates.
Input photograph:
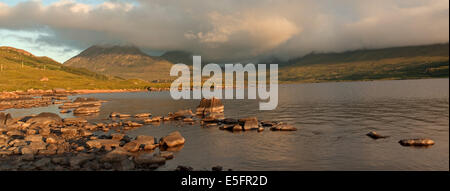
{"type": "Point", "coordinates": [217, 168]}
{"type": "Point", "coordinates": [26, 151]}
{"type": "Point", "coordinates": [58, 90]}
{"type": "Point", "coordinates": [33, 138]}
{"type": "Point", "coordinates": [114, 114]}
{"type": "Point", "coordinates": [375, 135]}
{"type": "Point", "coordinates": [181, 114]}
{"type": "Point", "coordinates": [184, 168]}
{"type": "Point", "coordinates": [132, 146]}
{"type": "Point", "coordinates": [156, 119]}
{"type": "Point", "coordinates": [208, 106]}
{"type": "Point", "coordinates": [86, 110]}
{"type": "Point", "coordinates": [80, 159]}
{"type": "Point", "coordinates": [261, 129]}
{"type": "Point", "coordinates": [143, 115]}
{"type": "Point", "coordinates": [125, 165]}
{"type": "Point", "coordinates": [148, 159]}
{"type": "Point", "coordinates": [416, 142]}
{"type": "Point", "coordinates": [71, 131]}
{"type": "Point", "coordinates": [172, 140]}
{"type": "Point", "coordinates": [64, 111]}
{"type": "Point", "coordinates": [283, 127]}
{"type": "Point", "coordinates": [44, 119]}
{"type": "Point", "coordinates": [4, 118]}
{"type": "Point", "coordinates": [249, 123]}
{"type": "Point", "coordinates": [117, 136]}
{"type": "Point", "coordinates": [121, 115]}
{"type": "Point", "coordinates": [107, 143]}
{"type": "Point", "coordinates": [41, 163]}
{"type": "Point", "coordinates": [237, 127]}
{"type": "Point", "coordinates": [74, 121]}
{"type": "Point", "coordinates": [132, 124]}
{"type": "Point", "coordinates": [188, 120]}
{"type": "Point", "coordinates": [50, 140]}
{"type": "Point", "coordinates": [116, 155]}
{"type": "Point", "coordinates": [230, 121]}
{"type": "Point", "coordinates": [165, 154]}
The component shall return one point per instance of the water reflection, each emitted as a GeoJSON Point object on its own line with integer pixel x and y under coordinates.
{"type": "Point", "coordinates": [332, 119]}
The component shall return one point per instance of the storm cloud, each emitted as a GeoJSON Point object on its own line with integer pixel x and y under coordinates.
{"type": "Point", "coordinates": [224, 30]}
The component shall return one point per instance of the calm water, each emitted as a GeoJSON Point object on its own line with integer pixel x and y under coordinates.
{"type": "Point", "coordinates": [332, 119]}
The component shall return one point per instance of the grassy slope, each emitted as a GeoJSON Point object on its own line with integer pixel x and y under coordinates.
{"type": "Point", "coordinates": [14, 76]}
{"type": "Point", "coordinates": [124, 62]}
{"type": "Point", "coordinates": [415, 62]}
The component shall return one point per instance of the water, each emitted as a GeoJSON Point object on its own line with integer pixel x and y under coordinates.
{"type": "Point", "coordinates": [332, 119]}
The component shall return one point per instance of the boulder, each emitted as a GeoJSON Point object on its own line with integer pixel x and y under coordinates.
{"type": "Point", "coordinates": [208, 106]}
{"type": "Point", "coordinates": [172, 140]}
{"type": "Point", "coordinates": [45, 118]}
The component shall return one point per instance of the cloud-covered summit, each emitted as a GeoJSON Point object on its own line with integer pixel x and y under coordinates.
{"type": "Point", "coordinates": [223, 30]}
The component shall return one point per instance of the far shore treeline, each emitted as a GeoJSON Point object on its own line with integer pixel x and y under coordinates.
{"type": "Point", "coordinates": [117, 69]}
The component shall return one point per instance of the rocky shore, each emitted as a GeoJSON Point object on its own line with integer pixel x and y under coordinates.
{"type": "Point", "coordinates": [48, 142]}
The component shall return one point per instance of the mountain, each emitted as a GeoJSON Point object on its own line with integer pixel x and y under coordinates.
{"type": "Point", "coordinates": [126, 62]}
{"type": "Point", "coordinates": [178, 57]}
{"type": "Point", "coordinates": [21, 70]}
{"type": "Point", "coordinates": [410, 62]}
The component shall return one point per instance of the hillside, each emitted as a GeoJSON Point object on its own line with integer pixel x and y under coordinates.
{"type": "Point", "coordinates": [21, 70]}
{"type": "Point", "coordinates": [126, 62]}
{"type": "Point", "coordinates": [428, 61]}
{"type": "Point", "coordinates": [178, 57]}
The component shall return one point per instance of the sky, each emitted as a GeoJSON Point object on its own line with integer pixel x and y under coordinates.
{"type": "Point", "coordinates": [221, 30]}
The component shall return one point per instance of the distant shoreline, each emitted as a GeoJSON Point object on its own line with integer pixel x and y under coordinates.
{"type": "Point", "coordinates": [163, 88]}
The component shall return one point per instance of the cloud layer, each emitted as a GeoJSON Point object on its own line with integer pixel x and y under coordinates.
{"type": "Point", "coordinates": [222, 30]}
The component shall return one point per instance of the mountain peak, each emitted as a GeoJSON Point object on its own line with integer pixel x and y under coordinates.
{"type": "Point", "coordinates": [111, 49]}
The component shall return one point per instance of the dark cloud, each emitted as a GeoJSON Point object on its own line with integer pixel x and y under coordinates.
{"type": "Point", "coordinates": [234, 30]}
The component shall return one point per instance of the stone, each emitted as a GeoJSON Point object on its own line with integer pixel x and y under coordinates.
{"type": "Point", "coordinates": [184, 168]}
{"type": "Point", "coordinates": [208, 106]}
{"type": "Point", "coordinates": [131, 146]}
{"type": "Point", "coordinates": [86, 110]}
{"type": "Point", "coordinates": [107, 143]}
{"type": "Point", "coordinates": [375, 135]}
{"type": "Point", "coordinates": [283, 127]}
{"type": "Point", "coordinates": [74, 121]}
{"type": "Point", "coordinates": [43, 162]}
{"type": "Point", "coordinates": [216, 168]}
{"type": "Point", "coordinates": [172, 140]}
{"type": "Point", "coordinates": [249, 123]}
{"type": "Point", "coordinates": [44, 119]}
{"type": "Point", "coordinates": [69, 131]}
{"type": "Point", "coordinates": [50, 140]}
{"type": "Point", "coordinates": [188, 120]}
{"type": "Point", "coordinates": [80, 159]}
{"type": "Point", "coordinates": [165, 154]}
{"type": "Point", "coordinates": [34, 138]}
{"type": "Point", "coordinates": [237, 127]}
{"type": "Point", "coordinates": [116, 155]}
{"type": "Point", "coordinates": [149, 159]}
{"type": "Point", "coordinates": [416, 142]}
{"type": "Point", "coordinates": [142, 115]}
{"type": "Point", "coordinates": [117, 136]}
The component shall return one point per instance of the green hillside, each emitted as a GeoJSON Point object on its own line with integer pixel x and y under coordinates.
{"type": "Point", "coordinates": [20, 70]}
{"type": "Point", "coordinates": [126, 62]}
{"type": "Point", "coordinates": [429, 61]}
